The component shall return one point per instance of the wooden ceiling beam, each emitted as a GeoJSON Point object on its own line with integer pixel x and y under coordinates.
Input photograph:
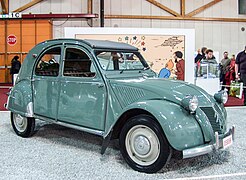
{"type": "Point", "coordinates": [28, 5]}
{"type": "Point", "coordinates": [161, 6]}
{"type": "Point", "coordinates": [4, 4]}
{"type": "Point", "coordinates": [182, 6]}
{"type": "Point", "coordinates": [89, 6]}
{"type": "Point", "coordinates": [202, 8]}
{"type": "Point", "coordinates": [174, 18]}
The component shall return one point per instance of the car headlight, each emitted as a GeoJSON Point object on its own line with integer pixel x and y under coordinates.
{"type": "Point", "coordinates": [221, 97]}
{"type": "Point", "coordinates": [190, 103]}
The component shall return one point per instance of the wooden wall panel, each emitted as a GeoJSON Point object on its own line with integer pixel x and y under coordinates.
{"type": "Point", "coordinates": [14, 28]}
{"type": "Point", "coordinates": [28, 33]}
{"type": "Point", "coordinates": [2, 36]}
{"type": "Point", "coordinates": [2, 69]}
{"type": "Point", "coordinates": [43, 30]}
{"type": "Point", "coordinates": [2, 52]}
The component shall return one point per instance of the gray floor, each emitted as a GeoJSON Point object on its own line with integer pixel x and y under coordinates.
{"type": "Point", "coordinates": [55, 152]}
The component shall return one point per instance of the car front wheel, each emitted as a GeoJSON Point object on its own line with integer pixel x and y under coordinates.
{"type": "Point", "coordinates": [22, 126]}
{"type": "Point", "coordinates": [143, 144]}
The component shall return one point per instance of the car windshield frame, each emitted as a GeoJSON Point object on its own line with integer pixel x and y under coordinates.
{"type": "Point", "coordinates": [136, 53]}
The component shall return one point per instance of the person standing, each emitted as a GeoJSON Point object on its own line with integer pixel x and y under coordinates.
{"type": "Point", "coordinates": [232, 68]}
{"type": "Point", "coordinates": [209, 65]}
{"type": "Point", "coordinates": [204, 49]}
{"type": "Point", "coordinates": [15, 67]}
{"type": "Point", "coordinates": [224, 69]}
{"type": "Point", "coordinates": [198, 58]}
{"type": "Point", "coordinates": [180, 65]}
{"type": "Point", "coordinates": [240, 70]}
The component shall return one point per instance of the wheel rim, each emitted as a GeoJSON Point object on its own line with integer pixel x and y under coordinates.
{"type": "Point", "coordinates": [142, 145]}
{"type": "Point", "coordinates": [20, 122]}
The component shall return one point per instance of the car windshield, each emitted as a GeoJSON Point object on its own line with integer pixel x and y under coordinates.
{"type": "Point", "coordinates": [117, 60]}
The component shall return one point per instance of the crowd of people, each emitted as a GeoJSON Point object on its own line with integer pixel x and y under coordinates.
{"type": "Point", "coordinates": [228, 70]}
{"type": "Point", "coordinates": [206, 63]}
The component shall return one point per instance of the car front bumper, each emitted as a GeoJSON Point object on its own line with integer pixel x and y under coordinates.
{"type": "Point", "coordinates": [220, 143]}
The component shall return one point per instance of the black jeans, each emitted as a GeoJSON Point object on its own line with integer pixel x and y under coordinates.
{"type": "Point", "coordinates": [222, 80]}
{"type": "Point", "coordinates": [243, 79]}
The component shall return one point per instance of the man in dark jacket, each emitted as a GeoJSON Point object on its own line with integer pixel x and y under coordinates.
{"type": "Point", "coordinates": [240, 69]}
{"type": "Point", "coordinates": [224, 68]}
{"type": "Point", "coordinates": [15, 67]}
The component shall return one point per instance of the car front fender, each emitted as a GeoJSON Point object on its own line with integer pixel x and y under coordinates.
{"type": "Point", "coordinates": [179, 126]}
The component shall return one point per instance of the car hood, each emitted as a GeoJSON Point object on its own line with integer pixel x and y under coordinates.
{"type": "Point", "coordinates": [132, 90]}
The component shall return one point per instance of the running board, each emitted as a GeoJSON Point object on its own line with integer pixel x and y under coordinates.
{"type": "Point", "coordinates": [72, 126]}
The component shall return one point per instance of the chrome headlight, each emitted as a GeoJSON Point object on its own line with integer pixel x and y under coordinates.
{"type": "Point", "coordinates": [221, 97]}
{"type": "Point", "coordinates": [190, 103]}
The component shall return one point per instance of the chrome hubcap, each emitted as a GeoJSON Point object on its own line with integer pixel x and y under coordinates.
{"type": "Point", "coordinates": [20, 122]}
{"type": "Point", "coordinates": [142, 145]}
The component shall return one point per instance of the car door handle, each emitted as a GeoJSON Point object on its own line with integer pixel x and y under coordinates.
{"type": "Point", "coordinates": [99, 85]}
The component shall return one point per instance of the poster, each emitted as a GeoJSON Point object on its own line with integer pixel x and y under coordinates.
{"type": "Point", "coordinates": [157, 50]}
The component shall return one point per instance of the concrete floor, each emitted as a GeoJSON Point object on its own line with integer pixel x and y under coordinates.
{"type": "Point", "coordinates": [55, 152]}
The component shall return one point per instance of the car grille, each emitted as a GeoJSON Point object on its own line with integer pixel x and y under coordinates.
{"type": "Point", "coordinates": [215, 117]}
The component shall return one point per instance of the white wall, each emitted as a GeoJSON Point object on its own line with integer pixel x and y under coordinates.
{"type": "Point", "coordinates": [219, 36]}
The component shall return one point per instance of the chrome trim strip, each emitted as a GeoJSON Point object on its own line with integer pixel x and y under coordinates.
{"type": "Point", "coordinates": [205, 149]}
{"type": "Point", "coordinates": [92, 131]}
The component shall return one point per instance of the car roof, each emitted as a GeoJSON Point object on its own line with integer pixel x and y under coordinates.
{"type": "Point", "coordinates": [105, 44]}
{"type": "Point", "coordinates": [94, 44]}
{"type": "Point", "coordinates": [97, 44]}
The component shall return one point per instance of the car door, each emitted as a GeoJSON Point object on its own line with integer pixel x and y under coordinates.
{"type": "Point", "coordinates": [82, 99]}
{"type": "Point", "coordinates": [45, 83]}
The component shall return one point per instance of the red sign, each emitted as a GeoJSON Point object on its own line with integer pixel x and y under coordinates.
{"type": "Point", "coordinates": [11, 40]}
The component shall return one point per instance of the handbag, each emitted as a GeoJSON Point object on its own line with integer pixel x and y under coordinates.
{"type": "Point", "coordinates": [235, 89]}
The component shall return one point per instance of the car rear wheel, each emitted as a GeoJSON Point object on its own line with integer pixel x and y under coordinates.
{"type": "Point", "coordinates": [22, 126]}
{"type": "Point", "coordinates": [143, 144]}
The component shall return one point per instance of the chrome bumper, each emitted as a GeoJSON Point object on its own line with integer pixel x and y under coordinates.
{"type": "Point", "coordinates": [205, 149]}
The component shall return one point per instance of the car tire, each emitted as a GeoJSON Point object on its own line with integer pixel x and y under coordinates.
{"type": "Point", "coordinates": [143, 144]}
{"type": "Point", "coordinates": [23, 126]}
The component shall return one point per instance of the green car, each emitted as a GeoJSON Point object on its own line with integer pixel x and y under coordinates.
{"type": "Point", "coordinates": [107, 89]}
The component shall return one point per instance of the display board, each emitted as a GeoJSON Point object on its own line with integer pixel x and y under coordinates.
{"type": "Point", "coordinates": [156, 45]}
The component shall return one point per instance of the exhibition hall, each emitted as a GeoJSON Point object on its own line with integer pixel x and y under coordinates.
{"type": "Point", "coordinates": [123, 89]}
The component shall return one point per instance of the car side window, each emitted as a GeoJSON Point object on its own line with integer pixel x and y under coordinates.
{"type": "Point", "coordinates": [48, 64]}
{"type": "Point", "coordinates": [78, 64]}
